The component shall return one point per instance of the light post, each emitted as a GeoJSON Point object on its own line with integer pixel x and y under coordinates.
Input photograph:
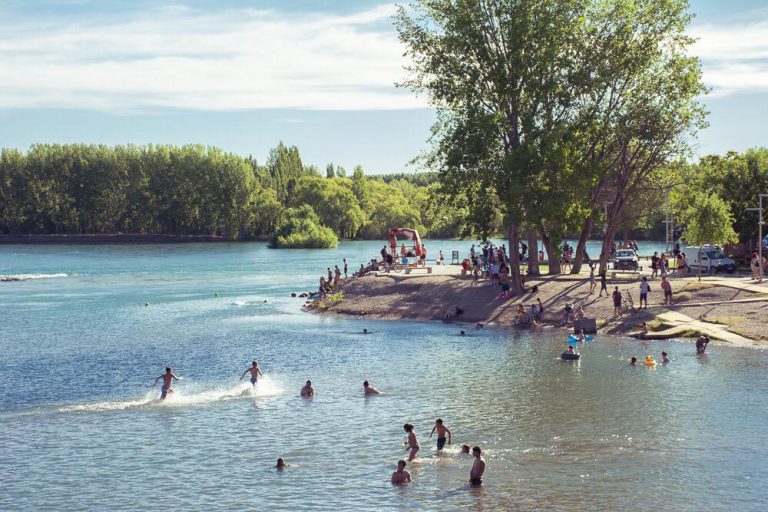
{"type": "Point", "coordinates": [759, 211]}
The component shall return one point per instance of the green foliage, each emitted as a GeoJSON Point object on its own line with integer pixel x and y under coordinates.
{"type": "Point", "coordinates": [300, 228]}
{"type": "Point", "coordinates": [334, 203]}
{"type": "Point", "coordinates": [708, 220]}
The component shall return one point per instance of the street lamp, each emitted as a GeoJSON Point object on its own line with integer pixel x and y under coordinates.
{"type": "Point", "coordinates": [759, 211]}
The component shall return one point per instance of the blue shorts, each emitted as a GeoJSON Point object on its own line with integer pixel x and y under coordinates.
{"type": "Point", "coordinates": [441, 442]}
{"type": "Point", "coordinates": [644, 296]}
{"type": "Point", "coordinates": [253, 380]}
{"type": "Point", "coordinates": [164, 392]}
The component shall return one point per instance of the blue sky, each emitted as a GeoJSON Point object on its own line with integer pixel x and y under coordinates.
{"type": "Point", "coordinates": [243, 75]}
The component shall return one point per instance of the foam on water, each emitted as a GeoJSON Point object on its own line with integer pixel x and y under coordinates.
{"type": "Point", "coordinates": [185, 396]}
{"type": "Point", "coordinates": [29, 277]}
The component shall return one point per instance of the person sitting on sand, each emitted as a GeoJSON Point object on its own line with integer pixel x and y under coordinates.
{"type": "Point", "coordinates": [579, 315]}
{"type": "Point", "coordinates": [412, 443]}
{"type": "Point", "coordinates": [281, 465]}
{"type": "Point", "coordinates": [401, 476]}
{"type": "Point", "coordinates": [478, 468]}
{"type": "Point", "coordinates": [369, 390]}
{"type": "Point", "coordinates": [633, 361]}
{"type": "Point", "coordinates": [519, 314]}
{"type": "Point", "coordinates": [664, 358]}
{"type": "Point", "coordinates": [308, 390]}
{"type": "Point", "coordinates": [168, 378]}
{"type": "Point", "coordinates": [451, 313]}
{"type": "Point", "coordinates": [567, 315]}
{"type": "Point", "coordinates": [442, 430]}
{"type": "Point", "coordinates": [701, 345]}
{"type": "Point", "coordinates": [254, 370]}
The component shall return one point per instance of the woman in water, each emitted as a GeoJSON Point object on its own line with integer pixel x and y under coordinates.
{"type": "Point", "coordinates": [413, 444]}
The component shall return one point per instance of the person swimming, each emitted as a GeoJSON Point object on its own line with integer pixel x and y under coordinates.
{"type": "Point", "coordinates": [308, 390]}
{"type": "Point", "coordinates": [168, 378]}
{"type": "Point", "coordinates": [281, 465]}
{"type": "Point", "coordinates": [369, 390]}
{"type": "Point", "coordinates": [442, 430]}
{"type": "Point", "coordinates": [664, 358]}
{"type": "Point", "coordinates": [401, 476]}
{"type": "Point", "coordinates": [413, 444]}
{"type": "Point", "coordinates": [633, 361]}
{"type": "Point", "coordinates": [465, 449]}
{"type": "Point", "coordinates": [649, 361]}
{"type": "Point", "coordinates": [254, 370]}
{"type": "Point", "coordinates": [365, 331]}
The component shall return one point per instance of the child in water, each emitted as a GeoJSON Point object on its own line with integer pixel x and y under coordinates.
{"type": "Point", "coordinates": [413, 444]}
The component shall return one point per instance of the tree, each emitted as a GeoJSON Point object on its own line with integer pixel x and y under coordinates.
{"type": "Point", "coordinates": [708, 220]}
{"type": "Point", "coordinates": [300, 228]}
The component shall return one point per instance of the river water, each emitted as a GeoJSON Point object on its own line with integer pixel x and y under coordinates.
{"type": "Point", "coordinates": [82, 429]}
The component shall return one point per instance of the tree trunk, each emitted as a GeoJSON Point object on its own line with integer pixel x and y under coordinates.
{"type": "Point", "coordinates": [533, 253]}
{"type": "Point", "coordinates": [610, 233]}
{"type": "Point", "coordinates": [552, 255]}
{"type": "Point", "coordinates": [578, 259]}
{"type": "Point", "coordinates": [513, 237]}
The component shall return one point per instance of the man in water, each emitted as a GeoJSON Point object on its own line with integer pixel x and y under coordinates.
{"type": "Point", "coordinates": [281, 465]}
{"type": "Point", "coordinates": [701, 345]}
{"type": "Point", "coordinates": [664, 358]}
{"type": "Point", "coordinates": [254, 370]}
{"type": "Point", "coordinates": [441, 431]}
{"type": "Point", "coordinates": [168, 378]}
{"type": "Point", "coordinates": [401, 476]}
{"type": "Point", "coordinates": [369, 390]}
{"type": "Point", "coordinates": [478, 468]}
{"type": "Point", "coordinates": [308, 390]}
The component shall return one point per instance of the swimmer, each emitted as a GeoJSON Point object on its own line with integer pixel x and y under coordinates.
{"type": "Point", "coordinates": [254, 370]}
{"type": "Point", "coordinates": [664, 358]}
{"type": "Point", "coordinates": [478, 325]}
{"type": "Point", "coordinates": [478, 468]}
{"type": "Point", "coordinates": [462, 333]}
{"type": "Point", "coordinates": [701, 345]}
{"type": "Point", "coordinates": [570, 350]}
{"type": "Point", "coordinates": [441, 431]}
{"type": "Point", "coordinates": [168, 378]}
{"type": "Point", "coordinates": [365, 331]}
{"type": "Point", "coordinates": [308, 390]}
{"type": "Point", "coordinates": [369, 390]}
{"type": "Point", "coordinates": [281, 465]}
{"type": "Point", "coordinates": [413, 444]}
{"type": "Point", "coordinates": [401, 476]}
{"type": "Point", "coordinates": [633, 361]}
{"type": "Point", "coordinates": [649, 361]}
{"type": "Point", "coordinates": [465, 449]}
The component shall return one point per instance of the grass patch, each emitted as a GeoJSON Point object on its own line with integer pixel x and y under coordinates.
{"type": "Point", "coordinates": [335, 298]}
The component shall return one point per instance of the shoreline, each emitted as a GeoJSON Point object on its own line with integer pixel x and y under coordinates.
{"type": "Point", "coordinates": [727, 309]}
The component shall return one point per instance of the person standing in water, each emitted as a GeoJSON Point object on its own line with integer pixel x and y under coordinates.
{"type": "Point", "coordinates": [346, 267]}
{"type": "Point", "coordinates": [255, 371]}
{"type": "Point", "coordinates": [369, 390]}
{"type": "Point", "coordinates": [701, 345]}
{"type": "Point", "coordinates": [478, 468]}
{"type": "Point", "coordinates": [401, 476]}
{"type": "Point", "coordinates": [441, 431]}
{"type": "Point", "coordinates": [664, 358]}
{"type": "Point", "coordinates": [168, 378]}
{"type": "Point", "coordinates": [308, 390]}
{"type": "Point", "coordinates": [413, 444]}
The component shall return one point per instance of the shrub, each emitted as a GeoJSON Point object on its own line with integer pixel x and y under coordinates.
{"type": "Point", "coordinates": [300, 228]}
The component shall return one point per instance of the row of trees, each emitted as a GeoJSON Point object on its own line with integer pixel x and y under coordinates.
{"type": "Point", "coordinates": [196, 190]}
{"type": "Point", "coordinates": [555, 114]}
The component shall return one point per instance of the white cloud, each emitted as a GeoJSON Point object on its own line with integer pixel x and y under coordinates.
{"type": "Point", "coordinates": [734, 56]}
{"type": "Point", "coordinates": [177, 57]}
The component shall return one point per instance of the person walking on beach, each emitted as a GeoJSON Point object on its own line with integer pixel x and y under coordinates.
{"type": "Point", "coordinates": [423, 257]}
{"type": "Point", "coordinates": [667, 291]}
{"type": "Point", "coordinates": [308, 391]}
{"type": "Point", "coordinates": [401, 476]}
{"type": "Point", "coordinates": [616, 302]}
{"type": "Point", "coordinates": [645, 287]}
{"type": "Point", "coordinates": [441, 431]}
{"type": "Point", "coordinates": [168, 378]}
{"type": "Point", "coordinates": [254, 370]}
{"type": "Point", "coordinates": [478, 468]}
{"type": "Point", "coordinates": [369, 390]}
{"type": "Point", "coordinates": [603, 284]}
{"type": "Point", "coordinates": [442, 258]}
{"type": "Point", "coordinates": [413, 444]}
{"type": "Point", "coordinates": [655, 264]}
{"type": "Point", "coordinates": [592, 283]}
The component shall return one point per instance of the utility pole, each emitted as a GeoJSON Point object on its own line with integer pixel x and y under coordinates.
{"type": "Point", "coordinates": [759, 211]}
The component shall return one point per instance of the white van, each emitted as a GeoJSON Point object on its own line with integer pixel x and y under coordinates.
{"type": "Point", "coordinates": [708, 259]}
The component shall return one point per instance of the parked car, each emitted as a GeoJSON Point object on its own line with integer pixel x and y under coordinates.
{"type": "Point", "coordinates": [708, 259]}
{"type": "Point", "coordinates": [625, 259]}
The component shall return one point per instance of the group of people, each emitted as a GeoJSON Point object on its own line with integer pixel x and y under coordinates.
{"type": "Point", "coordinates": [529, 317]}
{"type": "Point", "coordinates": [331, 281]}
{"type": "Point", "coordinates": [757, 265]}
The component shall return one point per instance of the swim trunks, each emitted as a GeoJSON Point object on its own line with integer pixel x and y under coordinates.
{"type": "Point", "coordinates": [441, 442]}
{"type": "Point", "coordinates": [475, 482]}
{"type": "Point", "coordinates": [644, 296]}
{"type": "Point", "coordinates": [253, 380]}
{"type": "Point", "coordinates": [163, 392]}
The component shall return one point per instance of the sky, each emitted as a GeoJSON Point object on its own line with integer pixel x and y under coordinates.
{"type": "Point", "coordinates": [244, 75]}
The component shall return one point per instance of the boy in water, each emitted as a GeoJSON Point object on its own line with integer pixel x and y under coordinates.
{"type": "Point", "coordinates": [633, 361]}
{"type": "Point", "coordinates": [413, 444]}
{"type": "Point", "coordinates": [441, 431]}
{"type": "Point", "coordinates": [369, 390]}
{"type": "Point", "coordinates": [401, 476]}
{"type": "Point", "coordinates": [664, 358]}
{"type": "Point", "coordinates": [281, 465]}
{"type": "Point", "coordinates": [168, 378]}
{"type": "Point", "coordinates": [254, 370]}
{"type": "Point", "coordinates": [308, 390]}
{"type": "Point", "coordinates": [478, 468]}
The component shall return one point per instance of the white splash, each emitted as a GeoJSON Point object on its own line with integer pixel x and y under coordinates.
{"type": "Point", "coordinates": [29, 277]}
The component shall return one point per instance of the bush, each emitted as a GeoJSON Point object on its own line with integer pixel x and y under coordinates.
{"type": "Point", "coordinates": [300, 228]}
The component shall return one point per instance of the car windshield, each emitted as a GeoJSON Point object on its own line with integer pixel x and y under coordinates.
{"type": "Point", "coordinates": [715, 254]}
{"type": "Point", "coordinates": [624, 254]}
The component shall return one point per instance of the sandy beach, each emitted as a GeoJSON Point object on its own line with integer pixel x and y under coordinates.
{"type": "Point", "coordinates": [733, 304]}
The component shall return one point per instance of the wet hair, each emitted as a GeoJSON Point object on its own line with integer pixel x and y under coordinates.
{"type": "Point", "coordinates": [663, 353]}
{"type": "Point", "coordinates": [365, 331]}
{"type": "Point", "coordinates": [463, 333]}
{"type": "Point", "coordinates": [634, 360]}
{"type": "Point", "coordinates": [309, 382]}
{"type": "Point", "coordinates": [401, 461]}
{"type": "Point", "coordinates": [168, 369]}
{"type": "Point", "coordinates": [438, 420]}
{"type": "Point", "coordinates": [408, 427]}
{"type": "Point", "coordinates": [465, 448]}
{"type": "Point", "coordinates": [476, 449]}
{"type": "Point", "coordinates": [365, 383]}
{"type": "Point", "coordinates": [280, 461]}
{"type": "Point", "coordinates": [254, 363]}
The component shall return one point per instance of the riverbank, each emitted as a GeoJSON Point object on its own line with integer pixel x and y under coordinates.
{"type": "Point", "coordinates": [716, 306]}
